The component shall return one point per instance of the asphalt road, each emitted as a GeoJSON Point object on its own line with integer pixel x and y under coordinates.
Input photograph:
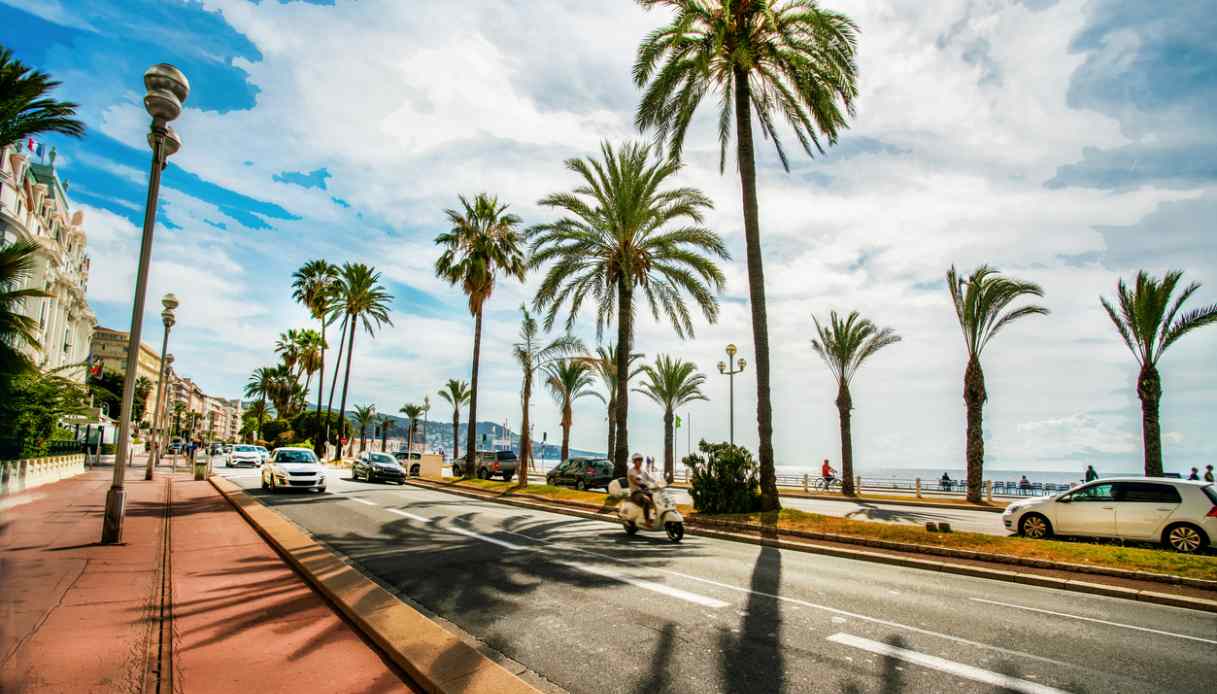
{"type": "Point", "coordinates": [592, 610]}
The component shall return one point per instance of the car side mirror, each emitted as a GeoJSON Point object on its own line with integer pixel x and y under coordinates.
{"type": "Point", "coordinates": [1064, 500]}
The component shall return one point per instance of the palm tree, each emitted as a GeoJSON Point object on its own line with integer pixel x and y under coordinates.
{"type": "Point", "coordinates": [260, 385]}
{"type": "Point", "coordinates": [605, 364]}
{"type": "Point", "coordinates": [143, 386]}
{"type": "Point", "coordinates": [980, 304]}
{"type": "Point", "coordinates": [288, 348]}
{"type": "Point", "coordinates": [412, 413]}
{"type": "Point", "coordinates": [386, 423]}
{"type": "Point", "coordinates": [283, 390]}
{"type": "Point", "coordinates": [360, 296]}
{"type": "Point", "coordinates": [25, 107]}
{"type": "Point", "coordinates": [532, 356]}
{"type": "Point", "coordinates": [844, 345]}
{"type": "Point", "coordinates": [16, 329]}
{"type": "Point", "coordinates": [1148, 328]}
{"type": "Point", "coordinates": [308, 356]}
{"type": "Point", "coordinates": [313, 286]}
{"type": "Point", "coordinates": [457, 394]}
{"type": "Point", "coordinates": [671, 383]}
{"type": "Point", "coordinates": [788, 58]}
{"type": "Point", "coordinates": [568, 380]}
{"type": "Point", "coordinates": [624, 232]}
{"type": "Point", "coordinates": [364, 414]}
{"type": "Point", "coordinates": [484, 240]}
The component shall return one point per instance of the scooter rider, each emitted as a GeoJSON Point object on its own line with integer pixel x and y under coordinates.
{"type": "Point", "coordinates": [640, 483]}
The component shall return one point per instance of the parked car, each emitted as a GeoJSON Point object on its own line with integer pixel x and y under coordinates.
{"type": "Point", "coordinates": [375, 467]}
{"type": "Point", "coordinates": [409, 460]}
{"type": "Point", "coordinates": [244, 454]}
{"type": "Point", "coordinates": [582, 473]}
{"type": "Point", "coordinates": [496, 463]}
{"type": "Point", "coordinates": [1177, 513]}
{"type": "Point", "coordinates": [293, 468]}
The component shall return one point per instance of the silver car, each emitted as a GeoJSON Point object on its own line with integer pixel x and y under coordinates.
{"type": "Point", "coordinates": [293, 468]}
{"type": "Point", "coordinates": [244, 454]}
{"type": "Point", "coordinates": [1177, 513]}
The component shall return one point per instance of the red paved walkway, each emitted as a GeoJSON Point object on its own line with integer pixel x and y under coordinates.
{"type": "Point", "coordinates": [76, 616]}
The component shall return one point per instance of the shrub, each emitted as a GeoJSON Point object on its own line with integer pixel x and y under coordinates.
{"type": "Point", "coordinates": [723, 479]}
{"type": "Point", "coordinates": [272, 429]}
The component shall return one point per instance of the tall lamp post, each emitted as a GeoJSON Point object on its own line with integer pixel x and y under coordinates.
{"type": "Point", "coordinates": [731, 367]}
{"type": "Point", "coordinates": [169, 301]}
{"type": "Point", "coordinates": [167, 89]}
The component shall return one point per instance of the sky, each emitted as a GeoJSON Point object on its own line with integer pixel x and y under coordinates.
{"type": "Point", "coordinates": [1066, 143]}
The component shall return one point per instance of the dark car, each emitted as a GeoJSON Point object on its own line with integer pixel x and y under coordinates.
{"type": "Point", "coordinates": [493, 464]}
{"type": "Point", "coordinates": [409, 461]}
{"type": "Point", "coordinates": [377, 467]}
{"type": "Point", "coordinates": [582, 473]}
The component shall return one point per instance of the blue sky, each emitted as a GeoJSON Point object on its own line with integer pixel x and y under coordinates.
{"type": "Point", "coordinates": [1070, 143]}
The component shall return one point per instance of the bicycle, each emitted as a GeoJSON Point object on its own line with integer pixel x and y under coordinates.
{"type": "Point", "coordinates": [827, 485]}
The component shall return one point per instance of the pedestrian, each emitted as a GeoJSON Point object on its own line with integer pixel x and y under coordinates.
{"type": "Point", "coordinates": [1091, 475]}
{"type": "Point", "coordinates": [1024, 485]}
{"type": "Point", "coordinates": [1195, 476]}
{"type": "Point", "coordinates": [1208, 473]}
{"type": "Point", "coordinates": [945, 482]}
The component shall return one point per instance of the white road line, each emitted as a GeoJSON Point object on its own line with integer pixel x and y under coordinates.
{"type": "Point", "coordinates": [411, 516]}
{"type": "Point", "coordinates": [959, 669]}
{"type": "Point", "coordinates": [695, 598]}
{"type": "Point", "coordinates": [365, 502]}
{"type": "Point", "coordinates": [487, 538]}
{"type": "Point", "coordinates": [1096, 621]}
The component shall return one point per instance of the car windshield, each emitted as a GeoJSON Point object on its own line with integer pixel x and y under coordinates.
{"type": "Point", "coordinates": [295, 457]}
{"type": "Point", "coordinates": [381, 458]}
{"type": "Point", "coordinates": [261, 449]}
{"type": "Point", "coordinates": [244, 449]}
{"type": "Point", "coordinates": [506, 455]}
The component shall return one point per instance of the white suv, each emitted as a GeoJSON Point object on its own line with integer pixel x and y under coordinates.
{"type": "Point", "coordinates": [1180, 514]}
{"type": "Point", "coordinates": [293, 468]}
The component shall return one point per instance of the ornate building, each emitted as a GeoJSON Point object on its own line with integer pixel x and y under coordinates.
{"type": "Point", "coordinates": [109, 350]}
{"type": "Point", "coordinates": [34, 207]}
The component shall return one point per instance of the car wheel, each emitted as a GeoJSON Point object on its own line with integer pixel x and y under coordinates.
{"type": "Point", "coordinates": [1185, 538]}
{"type": "Point", "coordinates": [579, 485]}
{"type": "Point", "coordinates": [274, 488]}
{"type": "Point", "coordinates": [264, 485]}
{"type": "Point", "coordinates": [1035, 526]}
{"type": "Point", "coordinates": [414, 470]}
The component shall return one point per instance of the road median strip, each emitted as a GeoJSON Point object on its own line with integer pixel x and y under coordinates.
{"type": "Point", "coordinates": [943, 559]}
{"type": "Point", "coordinates": [434, 658]}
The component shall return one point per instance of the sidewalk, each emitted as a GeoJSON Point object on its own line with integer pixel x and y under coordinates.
{"type": "Point", "coordinates": [76, 616]}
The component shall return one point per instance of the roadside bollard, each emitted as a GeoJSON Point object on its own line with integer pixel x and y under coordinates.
{"type": "Point", "coordinates": [806, 481]}
{"type": "Point", "coordinates": [989, 490]}
{"type": "Point", "coordinates": [918, 487]}
{"type": "Point", "coordinates": [857, 484]}
{"type": "Point", "coordinates": [200, 470]}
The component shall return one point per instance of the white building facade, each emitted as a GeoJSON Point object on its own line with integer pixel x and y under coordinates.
{"type": "Point", "coordinates": [34, 208]}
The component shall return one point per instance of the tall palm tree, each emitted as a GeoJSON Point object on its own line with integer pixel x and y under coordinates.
{"type": "Point", "coordinates": [179, 409]}
{"type": "Point", "coordinates": [457, 394]}
{"type": "Point", "coordinates": [361, 297]}
{"type": "Point", "coordinates": [567, 381]}
{"type": "Point", "coordinates": [143, 386]}
{"type": "Point", "coordinates": [260, 385]}
{"type": "Point", "coordinates": [605, 365]}
{"type": "Point", "coordinates": [981, 303]}
{"type": "Point", "coordinates": [844, 345]}
{"type": "Point", "coordinates": [342, 332]}
{"type": "Point", "coordinates": [784, 58]}
{"type": "Point", "coordinates": [412, 412]}
{"type": "Point", "coordinates": [671, 383]}
{"type": "Point", "coordinates": [313, 286]}
{"type": "Point", "coordinates": [364, 415]}
{"type": "Point", "coordinates": [386, 423]}
{"type": "Point", "coordinates": [308, 356]}
{"type": "Point", "coordinates": [25, 105]}
{"type": "Point", "coordinates": [288, 349]}
{"type": "Point", "coordinates": [16, 329]}
{"type": "Point", "coordinates": [283, 391]}
{"type": "Point", "coordinates": [622, 232]}
{"type": "Point", "coordinates": [1147, 321]}
{"type": "Point", "coordinates": [531, 356]}
{"type": "Point", "coordinates": [484, 240]}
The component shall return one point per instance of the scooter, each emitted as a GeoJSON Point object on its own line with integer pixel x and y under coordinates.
{"type": "Point", "coordinates": [664, 516]}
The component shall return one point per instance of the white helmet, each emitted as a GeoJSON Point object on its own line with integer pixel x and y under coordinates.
{"type": "Point", "coordinates": [636, 456]}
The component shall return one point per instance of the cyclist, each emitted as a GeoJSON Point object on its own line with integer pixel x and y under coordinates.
{"type": "Point", "coordinates": [827, 473]}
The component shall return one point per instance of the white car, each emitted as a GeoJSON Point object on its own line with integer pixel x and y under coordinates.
{"type": "Point", "coordinates": [1178, 513]}
{"type": "Point", "coordinates": [264, 453]}
{"type": "Point", "coordinates": [244, 454]}
{"type": "Point", "coordinates": [293, 468]}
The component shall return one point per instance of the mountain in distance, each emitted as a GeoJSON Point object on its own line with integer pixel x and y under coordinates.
{"type": "Point", "coordinates": [438, 434]}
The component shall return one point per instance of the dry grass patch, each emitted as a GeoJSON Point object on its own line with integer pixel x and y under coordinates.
{"type": "Point", "coordinates": [1114, 556]}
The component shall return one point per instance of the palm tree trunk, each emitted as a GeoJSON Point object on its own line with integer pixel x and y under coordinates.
{"type": "Point", "coordinates": [318, 442]}
{"type": "Point", "coordinates": [471, 439]}
{"type": "Point", "coordinates": [1149, 390]}
{"type": "Point", "coordinates": [261, 415]}
{"type": "Point", "coordinates": [625, 329]}
{"type": "Point", "coordinates": [456, 430]}
{"type": "Point", "coordinates": [363, 439]}
{"type": "Point", "coordinates": [329, 405]}
{"type": "Point", "coordinates": [756, 290]}
{"type": "Point", "coordinates": [669, 450]}
{"type": "Point", "coordinates": [346, 379]}
{"type": "Point", "coordinates": [384, 436]}
{"type": "Point", "coordinates": [844, 405]}
{"type": "Point", "coordinates": [567, 420]}
{"type": "Point", "coordinates": [525, 439]}
{"type": "Point", "coordinates": [612, 427]}
{"type": "Point", "coordinates": [974, 397]}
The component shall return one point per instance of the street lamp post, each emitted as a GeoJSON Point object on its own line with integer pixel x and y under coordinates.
{"type": "Point", "coordinates": [731, 367]}
{"type": "Point", "coordinates": [167, 89]}
{"type": "Point", "coordinates": [169, 301]}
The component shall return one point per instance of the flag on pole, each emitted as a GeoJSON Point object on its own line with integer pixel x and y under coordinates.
{"type": "Point", "coordinates": [677, 421]}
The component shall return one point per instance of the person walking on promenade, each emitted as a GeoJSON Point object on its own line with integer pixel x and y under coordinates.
{"type": "Point", "coordinates": [1208, 473]}
{"type": "Point", "coordinates": [1024, 486]}
{"type": "Point", "coordinates": [1195, 476]}
{"type": "Point", "coordinates": [1091, 475]}
{"type": "Point", "coordinates": [945, 482]}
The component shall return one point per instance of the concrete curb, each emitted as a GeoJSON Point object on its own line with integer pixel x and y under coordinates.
{"type": "Point", "coordinates": [753, 536]}
{"type": "Point", "coordinates": [434, 657]}
{"type": "Point", "coordinates": [911, 501]}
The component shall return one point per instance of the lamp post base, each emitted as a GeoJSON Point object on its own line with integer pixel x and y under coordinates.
{"type": "Point", "coordinates": [112, 523]}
